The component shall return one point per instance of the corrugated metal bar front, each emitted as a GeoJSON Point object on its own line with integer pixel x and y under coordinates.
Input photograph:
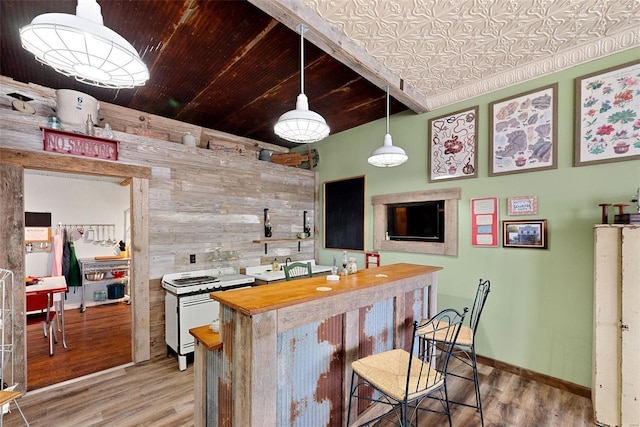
{"type": "Point", "coordinates": [376, 333]}
{"type": "Point", "coordinates": [219, 378]}
{"type": "Point", "coordinates": [313, 397]}
{"type": "Point", "coordinates": [213, 367]}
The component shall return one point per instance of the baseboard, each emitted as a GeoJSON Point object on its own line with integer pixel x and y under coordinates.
{"type": "Point", "coordinates": [536, 376]}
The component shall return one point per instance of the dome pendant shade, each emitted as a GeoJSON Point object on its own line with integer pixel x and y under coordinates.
{"type": "Point", "coordinates": [301, 125]}
{"type": "Point", "coordinates": [81, 46]}
{"type": "Point", "coordinates": [388, 155]}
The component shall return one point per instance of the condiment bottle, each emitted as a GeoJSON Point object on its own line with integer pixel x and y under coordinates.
{"type": "Point", "coordinates": [345, 263]}
{"type": "Point", "coordinates": [275, 266]}
{"type": "Point", "coordinates": [352, 267]}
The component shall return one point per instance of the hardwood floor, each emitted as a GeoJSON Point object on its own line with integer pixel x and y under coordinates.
{"type": "Point", "coordinates": [149, 394]}
{"type": "Point", "coordinates": [156, 393]}
{"type": "Point", "coordinates": [98, 339]}
{"type": "Point", "coordinates": [511, 400]}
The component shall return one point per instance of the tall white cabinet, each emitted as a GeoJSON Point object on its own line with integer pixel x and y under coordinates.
{"type": "Point", "coordinates": [616, 344]}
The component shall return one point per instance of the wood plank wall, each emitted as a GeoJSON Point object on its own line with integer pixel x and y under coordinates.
{"type": "Point", "coordinates": [207, 202]}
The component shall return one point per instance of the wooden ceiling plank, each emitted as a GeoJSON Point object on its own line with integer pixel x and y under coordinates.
{"type": "Point", "coordinates": [326, 37]}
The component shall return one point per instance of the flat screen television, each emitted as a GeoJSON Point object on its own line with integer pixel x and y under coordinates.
{"type": "Point", "coordinates": [418, 221]}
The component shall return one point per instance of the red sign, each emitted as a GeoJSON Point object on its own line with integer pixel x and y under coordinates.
{"type": "Point", "coordinates": [484, 222]}
{"type": "Point", "coordinates": [61, 141]}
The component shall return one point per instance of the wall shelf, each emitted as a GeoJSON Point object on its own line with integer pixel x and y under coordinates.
{"type": "Point", "coordinates": [266, 241]}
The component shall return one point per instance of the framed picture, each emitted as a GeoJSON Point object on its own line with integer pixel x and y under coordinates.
{"type": "Point", "coordinates": [525, 205]}
{"type": "Point", "coordinates": [524, 234]}
{"type": "Point", "coordinates": [608, 115]}
{"type": "Point", "coordinates": [453, 145]}
{"type": "Point", "coordinates": [523, 132]}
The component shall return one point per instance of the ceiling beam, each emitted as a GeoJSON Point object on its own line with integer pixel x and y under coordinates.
{"type": "Point", "coordinates": [335, 43]}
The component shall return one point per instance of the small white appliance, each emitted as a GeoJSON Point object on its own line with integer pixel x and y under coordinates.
{"type": "Point", "coordinates": [187, 304]}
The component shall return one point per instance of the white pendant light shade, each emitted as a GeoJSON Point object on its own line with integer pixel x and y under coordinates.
{"type": "Point", "coordinates": [388, 155]}
{"type": "Point", "coordinates": [301, 125]}
{"type": "Point", "coordinates": [81, 46]}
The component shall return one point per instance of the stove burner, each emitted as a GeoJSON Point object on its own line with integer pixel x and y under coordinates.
{"type": "Point", "coordinates": [198, 280]}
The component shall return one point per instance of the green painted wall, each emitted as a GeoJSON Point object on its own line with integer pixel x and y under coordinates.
{"type": "Point", "coordinates": [539, 314]}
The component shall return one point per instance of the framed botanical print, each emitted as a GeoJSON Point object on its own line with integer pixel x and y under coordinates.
{"type": "Point", "coordinates": [523, 132]}
{"type": "Point", "coordinates": [453, 145]}
{"type": "Point", "coordinates": [607, 127]}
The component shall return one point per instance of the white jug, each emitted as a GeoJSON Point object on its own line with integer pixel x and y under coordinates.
{"type": "Point", "coordinates": [189, 140]}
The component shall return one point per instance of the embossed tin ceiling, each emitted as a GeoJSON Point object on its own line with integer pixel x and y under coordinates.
{"type": "Point", "coordinates": [234, 66]}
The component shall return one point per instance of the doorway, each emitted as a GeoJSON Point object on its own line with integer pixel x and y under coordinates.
{"type": "Point", "coordinates": [92, 213]}
{"type": "Point", "coordinates": [12, 165]}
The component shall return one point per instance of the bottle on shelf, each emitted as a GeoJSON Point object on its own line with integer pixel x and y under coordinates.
{"type": "Point", "coordinates": [89, 126]}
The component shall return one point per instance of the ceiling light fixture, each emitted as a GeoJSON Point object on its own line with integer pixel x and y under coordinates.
{"type": "Point", "coordinates": [388, 155]}
{"type": "Point", "coordinates": [81, 46]}
{"type": "Point", "coordinates": [301, 125]}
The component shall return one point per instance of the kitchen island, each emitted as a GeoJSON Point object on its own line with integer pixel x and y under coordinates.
{"type": "Point", "coordinates": [285, 349]}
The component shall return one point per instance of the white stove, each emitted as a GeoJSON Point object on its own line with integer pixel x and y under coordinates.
{"type": "Point", "coordinates": [204, 281]}
{"type": "Point", "coordinates": [187, 304]}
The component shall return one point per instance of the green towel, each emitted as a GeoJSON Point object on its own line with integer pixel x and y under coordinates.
{"type": "Point", "coordinates": [75, 277]}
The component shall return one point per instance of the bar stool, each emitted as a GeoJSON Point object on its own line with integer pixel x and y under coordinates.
{"type": "Point", "coordinates": [465, 347]}
{"type": "Point", "coordinates": [397, 382]}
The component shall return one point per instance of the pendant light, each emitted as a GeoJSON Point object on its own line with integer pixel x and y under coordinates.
{"type": "Point", "coordinates": [81, 46]}
{"type": "Point", "coordinates": [301, 125]}
{"type": "Point", "coordinates": [388, 155]}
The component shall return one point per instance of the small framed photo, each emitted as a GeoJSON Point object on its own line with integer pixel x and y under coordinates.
{"type": "Point", "coordinates": [523, 132]}
{"type": "Point", "coordinates": [524, 205]}
{"type": "Point", "coordinates": [608, 115]}
{"type": "Point", "coordinates": [453, 145]}
{"type": "Point", "coordinates": [524, 234]}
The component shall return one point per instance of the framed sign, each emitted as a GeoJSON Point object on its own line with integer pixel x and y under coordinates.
{"type": "Point", "coordinates": [608, 115]}
{"type": "Point", "coordinates": [37, 234]}
{"type": "Point", "coordinates": [453, 145]}
{"type": "Point", "coordinates": [525, 205]}
{"type": "Point", "coordinates": [524, 234]}
{"type": "Point", "coordinates": [523, 132]}
{"type": "Point", "coordinates": [344, 214]}
{"type": "Point", "coordinates": [484, 222]}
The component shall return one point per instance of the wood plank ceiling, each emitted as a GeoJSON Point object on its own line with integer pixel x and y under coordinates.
{"type": "Point", "coordinates": [234, 66]}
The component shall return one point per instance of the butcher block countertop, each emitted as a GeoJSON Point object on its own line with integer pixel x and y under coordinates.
{"type": "Point", "coordinates": [260, 299]}
{"type": "Point", "coordinates": [208, 338]}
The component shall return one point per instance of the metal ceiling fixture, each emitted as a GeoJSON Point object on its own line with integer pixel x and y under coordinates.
{"type": "Point", "coordinates": [301, 125]}
{"type": "Point", "coordinates": [81, 46]}
{"type": "Point", "coordinates": [388, 155]}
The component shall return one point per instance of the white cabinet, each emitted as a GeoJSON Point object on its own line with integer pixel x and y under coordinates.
{"type": "Point", "coordinates": [108, 267]}
{"type": "Point", "coordinates": [616, 342]}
